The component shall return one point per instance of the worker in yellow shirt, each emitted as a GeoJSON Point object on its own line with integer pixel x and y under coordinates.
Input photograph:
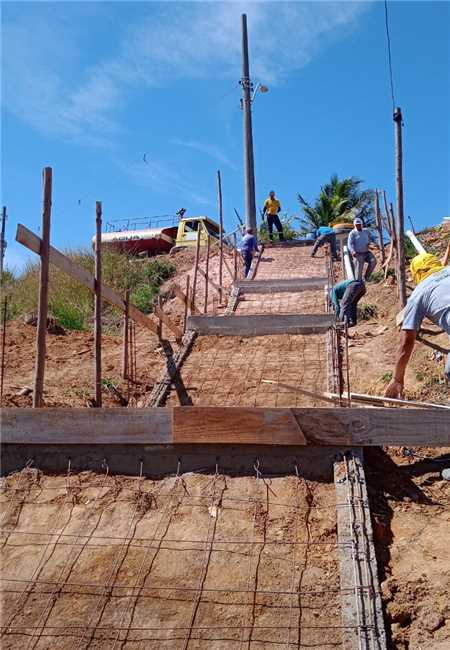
{"type": "Point", "coordinates": [271, 208]}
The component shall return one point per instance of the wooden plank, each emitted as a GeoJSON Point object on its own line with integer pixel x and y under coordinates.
{"type": "Point", "coordinates": [380, 399]}
{"type": "Point", "coordinates": [223, 425]}
{"type": "Point", "coordinates": [281, 286]}
{"type": "Point", "coordinates": [166, 320]}
{"type": "Point", "coordinates": [316, 426]}
{"type": "Point", "coordinates": [260, 324]}
{"type": "Point", "coordinates": [79, 426]}
{"type": "Point", "coordinates": [244, 425]}
{"type": "Point", "coordinates": [33, 243]}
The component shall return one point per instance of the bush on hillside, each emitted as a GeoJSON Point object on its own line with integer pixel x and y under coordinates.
{"type": "Point", "coordinates": [72, 304]}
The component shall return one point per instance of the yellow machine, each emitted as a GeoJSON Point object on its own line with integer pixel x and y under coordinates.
{"type": "Point", "coordinates": [189, 227]}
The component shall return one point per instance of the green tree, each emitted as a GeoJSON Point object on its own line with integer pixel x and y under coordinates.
{"type": "Point", "coordinates": [338, 200]}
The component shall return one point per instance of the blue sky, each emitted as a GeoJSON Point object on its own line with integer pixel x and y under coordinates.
{"type": "Point", "coordinates": [88, 88]}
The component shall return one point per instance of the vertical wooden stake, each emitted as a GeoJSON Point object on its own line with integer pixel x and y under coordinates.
{"type": "Point", "coordinates": [400, 218]}
{"type": "Point", "coordinates": [134, 353]}
{"type": "Point", "coordinates": [43, 290]}
{"type": "Point", "coordinates": [186, 304]}
{"type": "Point", "coordinates": [125, 335]}
{"type": "Point", "coordinates": [197, 256]}
{"type": "Point", "coordinates": [205, 309]}
{"type": "Point", "coordinates": [98, 305]}
{"type": "Point", "coordinates": [235, 257]}
{"type": "Point", "coordinates": [2, 378]}
{"type": "Point", "coordinates": [219, 192]}
{"type": "Point", "coordinates": [160, 323]}
{"type": "Point", "coordinates": [379, 226]}
{"type": "Point", "coordinates": [2, 241]}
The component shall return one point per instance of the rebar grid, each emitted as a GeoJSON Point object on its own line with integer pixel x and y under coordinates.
{"type": "Point", "coordinates": [258, 611]}
{"type": "Point", "coordinates": [304, 302]}
{"type": "Point", "coordinates": [228, 372]}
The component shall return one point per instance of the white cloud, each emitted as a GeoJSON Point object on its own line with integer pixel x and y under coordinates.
{"type": "Point", "coordinates": [159, 177]}
{"type": "Point", "coordinates": [49, 85]}
{"type": "Point", "coordinates": [209, 149]}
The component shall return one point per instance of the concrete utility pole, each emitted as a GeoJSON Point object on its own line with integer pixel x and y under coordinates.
{"type": "Point", "coordinates": [247, 87]}
{"type": "Point", "coordinates": [400, 226]}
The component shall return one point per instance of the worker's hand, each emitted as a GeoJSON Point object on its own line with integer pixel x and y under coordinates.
{"type": "Point", "coordinates": [354, 254]}
{"type": "Point", "coordinates": [394, 389]}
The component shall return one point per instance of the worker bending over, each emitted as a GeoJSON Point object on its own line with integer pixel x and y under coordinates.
{"type": "Point", "coordinates": [345, 297]}
{"type": "Point", "coordinates": [248, 246]}
{"type": "Point", "coordinates": [272, 207]}
{"type": "Point", "coordinates": [358, 245]}
{"type": "Point", "coordinates": [325, 235]}
{"type": "Point", "coordinates": [430, 299]}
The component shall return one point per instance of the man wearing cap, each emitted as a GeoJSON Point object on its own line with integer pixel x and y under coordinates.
{"type": "Point", "coordinates": [272, 207]}
{"type": "Point", "coordinates": [358, 245]}
{"type": "Point", "coordinates": [430, 299]}
{"type": "Point", "coordinates": [325, 235]}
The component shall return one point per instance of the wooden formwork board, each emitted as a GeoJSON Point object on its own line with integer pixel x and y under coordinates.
{"type": "Point", "coordinates": [226, 425]}
{"type": "Point", "coordinates": [260, 324]}
{"type": "Point", "coordinates": [291, 285]}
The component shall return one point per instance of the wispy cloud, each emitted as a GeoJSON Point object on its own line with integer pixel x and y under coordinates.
{"type": "Point", "coordinates": [208, 149]}
{"type": "Point", "coordinates": [52, 87]}
{"type": "Point", "coordinates": [160, 177]}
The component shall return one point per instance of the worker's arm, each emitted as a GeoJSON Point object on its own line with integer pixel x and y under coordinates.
{"type": "Point", "coordinates": [335, 300]}
{"type": "Point", "coordinates": [407, 340]}
{"type": "Point", "coordinates": [264, 208]}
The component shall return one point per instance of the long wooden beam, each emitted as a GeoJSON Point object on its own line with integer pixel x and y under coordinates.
{"type": "Point", "coordinates": [260, 324]}
{"type": "Point", "coordinates": [31, 241]}
{"type": "Point", "coordinates": [293, 285]}
{"type": "Point", "coordinates": [227, 425]}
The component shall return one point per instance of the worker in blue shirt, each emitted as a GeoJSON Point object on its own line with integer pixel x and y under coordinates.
{"type": "Point", "coordinates": [325, 235]}
{"type": "Point", "coordinates": [345, 297]}
{"type": "Point", "coordinates": [248, 246]}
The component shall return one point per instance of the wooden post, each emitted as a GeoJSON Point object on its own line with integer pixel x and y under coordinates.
{"type": "Point", "coordinates": [43, 290]}
{"type": "Point", "coordinates": [205, 309]}
{"type": "Point", "coordinates": [160, 324]}
{"type": "Point", "coordinates": [379, 225]}
{"type": "Point", "coordinates": [235, 257]}
{"type": "Point", "coordinates": [125, 337]}
{"type": "Point", "coordinates": [186, 304]}
{"type": "Point", "coordinates": [98, 305]}
{"type": "Point", "coordinates": [400, 218]}
{"type": "Point", "coordinates": [2, 241]}
{"type": "Point", "coordinates": [219, 192]}
{"type": "Point", "coordinates": [2, 378]}
{"type": "Point", "coordinates": [197, 256]}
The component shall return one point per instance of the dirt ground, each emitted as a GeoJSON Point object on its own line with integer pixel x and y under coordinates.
{"type": "Point", "coordinates": [189, 562]}
{"type": "Point", "coordinates": [410, 502]}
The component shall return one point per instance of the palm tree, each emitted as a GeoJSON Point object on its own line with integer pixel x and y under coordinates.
{"type": "Point", "coordinates": [338, 201]}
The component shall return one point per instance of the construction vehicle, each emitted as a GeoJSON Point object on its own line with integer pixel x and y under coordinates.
{"type": "Point", "coordinates": [147, 237]}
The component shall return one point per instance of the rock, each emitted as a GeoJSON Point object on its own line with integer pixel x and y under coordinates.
{"type": "Point", "coordinates": [446, 474]}
{"type": "Point", "coordinates": [52, 325]}
{"type": "Point", "coordinates": [398, 613]}
{"type": "Point", "coordinates": [430, 620]}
